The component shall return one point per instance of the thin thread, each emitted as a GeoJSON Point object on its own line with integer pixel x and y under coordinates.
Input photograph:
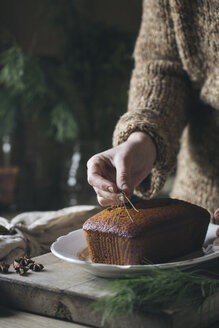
{"type": "Point", "coordinates": [128, 212]}
{"type": "Point", "coordinates": [130, 202]}
{"type": "Point", "coordinates": [122, 202]}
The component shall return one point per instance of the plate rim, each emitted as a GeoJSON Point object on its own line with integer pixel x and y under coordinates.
{"type": "Point", "coordinates": [139, 267]}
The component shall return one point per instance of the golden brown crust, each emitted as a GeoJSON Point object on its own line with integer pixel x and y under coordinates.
{"type": "Point", "coordinates": [151, 213]}
{"type": "Point", "coordinates": [162, 230]}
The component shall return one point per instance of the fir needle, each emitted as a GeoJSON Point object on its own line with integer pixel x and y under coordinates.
{"type": "Point", "coordinates": [127, 212]}
{"type": "Point", "coordinates": [124, 195]}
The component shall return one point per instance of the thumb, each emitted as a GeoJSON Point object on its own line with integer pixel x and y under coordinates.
{"type": "Point", "coordinates": [123, 179]}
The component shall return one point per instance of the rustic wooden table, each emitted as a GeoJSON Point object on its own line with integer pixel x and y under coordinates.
{"type": "Point", "coordinates": [65, 292]}
{"type": "Point", "coordinates": [11, 318]}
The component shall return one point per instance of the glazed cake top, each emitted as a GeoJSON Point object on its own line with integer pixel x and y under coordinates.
{"type": "Point", "coordinates": [151, 213]}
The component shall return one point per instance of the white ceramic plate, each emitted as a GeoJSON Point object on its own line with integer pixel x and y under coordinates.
{"type": "Point", "coordinates": [72, 248]}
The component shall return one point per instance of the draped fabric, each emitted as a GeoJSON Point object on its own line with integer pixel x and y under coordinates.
{"type": "Point", "coordinates": [32, 233]}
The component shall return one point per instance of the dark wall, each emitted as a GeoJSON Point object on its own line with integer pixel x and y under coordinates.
{"type": "Point", "coordinates": [122, 14]}
{"type": "Point", "coordinates": [43, 162]}
{"type": "Point", "coordinates": [26, 20]}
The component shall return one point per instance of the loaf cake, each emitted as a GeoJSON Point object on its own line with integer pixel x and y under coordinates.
{"type": "Point", "coordinates": [162, 230]}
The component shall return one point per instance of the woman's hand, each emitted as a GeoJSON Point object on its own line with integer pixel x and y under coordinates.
{"type": "Point", "coordinates": [121, 168]}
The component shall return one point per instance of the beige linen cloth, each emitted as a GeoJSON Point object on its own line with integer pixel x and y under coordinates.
{"type": "Point", "coordinates": [32, 233]}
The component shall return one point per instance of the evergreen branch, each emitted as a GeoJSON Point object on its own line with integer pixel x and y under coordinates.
{"type": "Point", "coordinates": [63, 124]}
{"type": "Point", "coordinates": [21, 74]}
{"type": "Point", "coordinates": [157, 288]}
{"type": "Point", "coordinates": [90, 77]}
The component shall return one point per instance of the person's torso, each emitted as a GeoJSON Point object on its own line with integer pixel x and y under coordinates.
{"type": "Point", "coordinates": [196, 26]}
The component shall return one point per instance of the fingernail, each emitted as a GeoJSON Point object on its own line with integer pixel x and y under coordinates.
{"type": "Point", "coordinates": [125, 187]}
{"type": "Point", "coordinates": [110, 189]}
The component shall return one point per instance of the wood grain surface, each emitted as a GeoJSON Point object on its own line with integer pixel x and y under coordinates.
{"type": "Point", "coordinates": [10, 318]}
{"type": "Point", "coordinates": [65, 291]}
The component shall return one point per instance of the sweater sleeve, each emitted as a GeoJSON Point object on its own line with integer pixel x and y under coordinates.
{"type": "Point", "coordinates": [158, 95]}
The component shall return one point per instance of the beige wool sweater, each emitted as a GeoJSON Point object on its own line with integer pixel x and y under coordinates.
{"type": "Point", "coordinates": [174, 97]}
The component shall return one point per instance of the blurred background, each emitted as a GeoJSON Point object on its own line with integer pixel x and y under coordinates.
{"type": "Point", "coordinates": [65, 67]}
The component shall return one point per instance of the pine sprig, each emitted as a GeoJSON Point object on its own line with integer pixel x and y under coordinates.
{"type": "Point", "coordinates": [63, 124]}
{"type": "Point", "coordinates": [159, 288]}
{"type": "Point", "coordinates": [21, 74]}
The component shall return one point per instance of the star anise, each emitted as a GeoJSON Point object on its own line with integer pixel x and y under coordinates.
{"type": "Point", "coordinates": [22, 270]}
{"type": "Point", "coordinates": [4, 267]}
{"type": "Point", "coordinates": [19, 268]}
{"type": "Point", "coordinates": [24, 263]}
{"type": "Point", "coordinates": [24, 260]}
{"type": "Point", "coordinates": [36, 266]}
{"type": "Point", "coordinates": [16, 264]}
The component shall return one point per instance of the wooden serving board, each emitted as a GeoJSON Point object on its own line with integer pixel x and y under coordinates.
{"type": "Point", "coordinates": [63, 290]}
{"type": "Point", "coordinates": [10, 318]}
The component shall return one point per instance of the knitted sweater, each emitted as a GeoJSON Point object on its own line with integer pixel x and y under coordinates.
{"type": "Point", "coordinates": [174, 97]}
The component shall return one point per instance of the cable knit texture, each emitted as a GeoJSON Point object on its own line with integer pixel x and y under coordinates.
{"type": "Point", "coordinates": [174, 97]}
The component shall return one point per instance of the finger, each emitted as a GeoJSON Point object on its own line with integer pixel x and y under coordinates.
{"type": "Point", "coordinates": [111, 197]}
{"type": "Point", "coordinates": [123, 179]}
{"type": "Point", "coordinates": [96, 180]}
{"type": "Point", "coordinates": [105, 202]}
